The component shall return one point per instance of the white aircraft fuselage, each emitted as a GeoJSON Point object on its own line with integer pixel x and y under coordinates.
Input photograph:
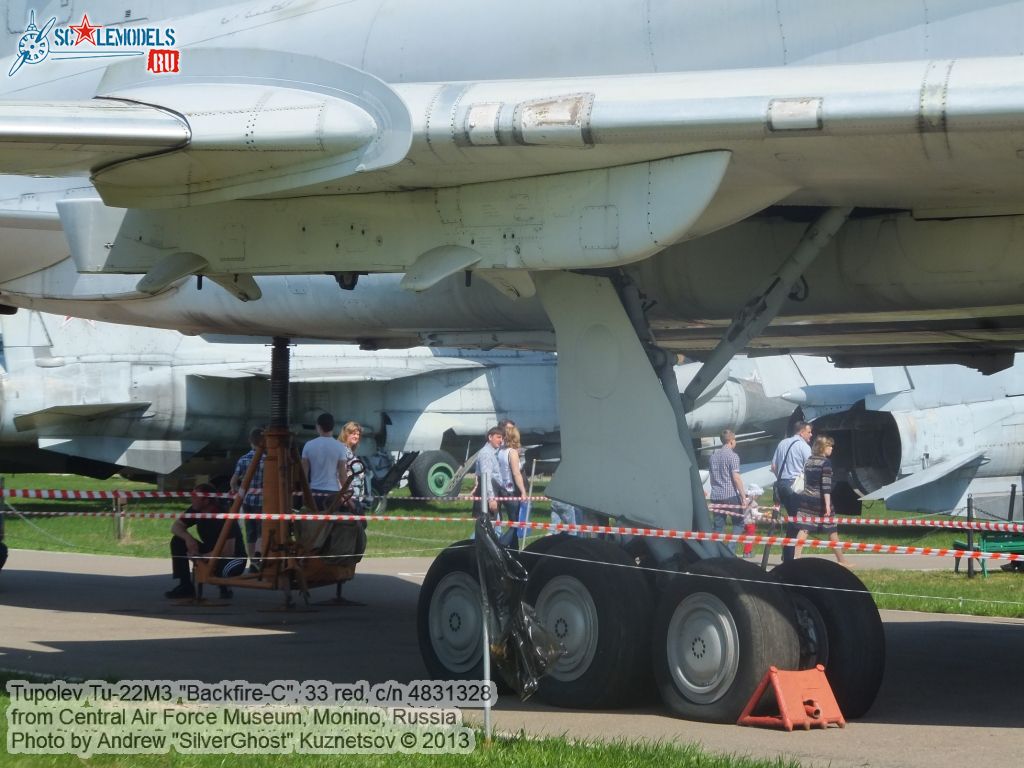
{"type": "Point", "coordinates": [889, 92]}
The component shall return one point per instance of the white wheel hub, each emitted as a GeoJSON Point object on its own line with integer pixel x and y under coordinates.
{"type": "Point", "coordinates": [565, 607]}
{"type": "Point", "coordinates": [455, 621]}
{"type": "Point", "coordinates": [702, 647]}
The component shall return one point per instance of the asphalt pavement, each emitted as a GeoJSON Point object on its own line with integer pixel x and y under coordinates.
{"type": "Point", "coordinates": [953, 690]}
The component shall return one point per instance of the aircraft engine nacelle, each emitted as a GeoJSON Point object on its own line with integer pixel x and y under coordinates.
{"type": "Point", "coordinates": [740, 406]}
{"type": "Point", "coordinates": [943, 446]}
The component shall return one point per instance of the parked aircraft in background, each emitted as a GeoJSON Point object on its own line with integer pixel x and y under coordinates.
{"type": "Point", "coordinates": [96, 398]}
{"type": "Point", "coordinates": [920, 438]}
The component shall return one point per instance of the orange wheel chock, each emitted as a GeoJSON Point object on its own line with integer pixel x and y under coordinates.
{"type": "Point", "coordinates": [804, 699]}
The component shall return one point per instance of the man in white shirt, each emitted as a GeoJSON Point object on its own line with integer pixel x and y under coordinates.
{"type": "Point", "coordinates": [788, 464]}
{"type": "Point", "coordinates": [323, 461]}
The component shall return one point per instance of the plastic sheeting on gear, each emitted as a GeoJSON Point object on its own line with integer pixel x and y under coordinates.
{"type": "Point", "coordinates": [521, 648]}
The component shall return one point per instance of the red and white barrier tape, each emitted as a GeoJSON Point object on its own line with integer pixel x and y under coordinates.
{"type": "Point", "coordinates": [725, 538]}
{"type": "Point", "coordinates": [69, 495]}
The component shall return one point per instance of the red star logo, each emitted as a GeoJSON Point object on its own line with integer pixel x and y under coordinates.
{"type": "Point", "coordinates": [86, 32]}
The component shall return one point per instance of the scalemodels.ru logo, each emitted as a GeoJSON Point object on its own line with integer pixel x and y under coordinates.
{"type": "Point", "coordinates": [86, 40]}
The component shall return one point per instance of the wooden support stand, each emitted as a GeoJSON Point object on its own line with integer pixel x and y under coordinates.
{"type": "Point", "coordinates": [291, 550]}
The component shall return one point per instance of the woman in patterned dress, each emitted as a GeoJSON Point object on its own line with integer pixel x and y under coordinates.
{"type": "Point", "coordinates": [815, 500]}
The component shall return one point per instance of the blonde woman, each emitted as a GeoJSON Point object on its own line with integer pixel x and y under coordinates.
{"type": "Point", "coordinates": [816, 498]}
{"type": "Point", "coordinates": [509, 461]}
{"type": "Point", "coordinates": [512, 479]}
{"type": "Point", "coordinates": [349, 438]}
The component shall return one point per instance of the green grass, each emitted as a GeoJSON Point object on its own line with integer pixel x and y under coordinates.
{"type": "Point", "coordinates": [1001, 594]}
{"type": "Point", "coordinates": [505, 752]}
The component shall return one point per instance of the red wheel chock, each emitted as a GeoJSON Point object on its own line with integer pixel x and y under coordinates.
{"type": "Point", "coordinates": [804, 699]}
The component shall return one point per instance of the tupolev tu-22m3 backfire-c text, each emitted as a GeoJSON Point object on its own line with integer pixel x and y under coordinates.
{"type": "Point", "coordinates": [630, 178]}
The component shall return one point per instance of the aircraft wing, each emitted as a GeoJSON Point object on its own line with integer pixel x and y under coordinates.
{"type": "Point", "coordinates": [159, 456]}
{"type": "Point", "coordinates": [935, 489]}
{"type": "Point", "coordinates": [64, 417]}
{"type": "Point", "coordinates": [208, 136]}
{"type": "Point", "coordinates": [342, 374]}
{"type": "Point", "coordinates": [605, 170]}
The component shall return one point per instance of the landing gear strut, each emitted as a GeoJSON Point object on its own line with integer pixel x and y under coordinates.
{"type": "Point", "coordinates": [714, 624]}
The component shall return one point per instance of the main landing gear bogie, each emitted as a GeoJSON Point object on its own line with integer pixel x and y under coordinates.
{"type": "Point", "coordinates": [703, 638]}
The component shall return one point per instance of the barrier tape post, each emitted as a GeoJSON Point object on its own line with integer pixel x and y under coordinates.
{"type": "Point", "coordinates": [525, 506]}
{"type": "Point", "coordinates": [771, 532]}
{"type": "Point", "coordinates": [118, 517]}
{"type": "Point", "coordinates": [485, 487]}
{"type": "Point", "coordinates": [970, 534]}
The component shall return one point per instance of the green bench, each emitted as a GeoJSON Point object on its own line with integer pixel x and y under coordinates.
{"type": "Point", "coordinates": [1004, 543]}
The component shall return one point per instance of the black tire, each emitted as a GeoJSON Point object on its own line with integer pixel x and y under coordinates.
{"type": "Point", "coordinates": [601, 611]}
{"type": "Point", "coordinates": [430, 474]}
{"type": "Point", "coordinates": [531, 557]}
{"type": "Point", "coordinates": [717, 629]}
{"type": "Point", "coordinates": [842, 631]}
{"type": "Point", "coordinates": [3, 555]}
{"type": "Point", "coordinates": [448, 615]}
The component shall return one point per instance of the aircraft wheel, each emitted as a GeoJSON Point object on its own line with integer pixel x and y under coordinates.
{"type": "Point", "coordinates": [532, 556]}
{"type": "Point", "coordinates": [449, 618]}
{"type": "Point", "coordinates": [600, 611]}
{"type": "Point", "coordinates": [717, 630]}
{"type": "Point", "coordinates": [841, 630]}
{"type": "Point", "coordinates": [431, 474]}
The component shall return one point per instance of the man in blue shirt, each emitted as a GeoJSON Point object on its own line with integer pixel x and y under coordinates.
{"type": "Point", "coordinates": [788, 464]}
{"type": "Point", "coordinates": [487, 464]}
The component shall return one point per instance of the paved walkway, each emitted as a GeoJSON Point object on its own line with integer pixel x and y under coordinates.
{"type": "Point", "coordinates": [953, 691]}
